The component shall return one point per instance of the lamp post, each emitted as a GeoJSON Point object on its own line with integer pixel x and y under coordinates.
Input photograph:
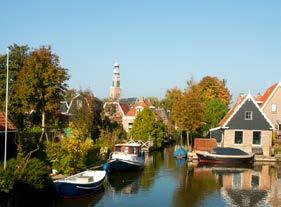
{"type": "Point", "coordinates": [6, 113]}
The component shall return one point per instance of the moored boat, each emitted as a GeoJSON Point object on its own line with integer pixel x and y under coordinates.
{"type": "Point", "coordinates": [225, 155]}
{"type": "Point", "coordinates": [126, 157]}
{"type": "Point", "coordinates": [81, 184]}
{"type": "Point", "coordinates": [180, 152]}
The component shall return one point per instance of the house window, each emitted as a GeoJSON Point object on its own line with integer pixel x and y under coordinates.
{"type": "Point", "coordinates": [256, 138]}
{"type": "Point", "coordinates": [248, 115]}
{"type": "Point", "coordinates": [273, 108]}
{"type": "Point", "coordinates": [255, 181]}
{"type": "Point", "coordinates": [238, 139]}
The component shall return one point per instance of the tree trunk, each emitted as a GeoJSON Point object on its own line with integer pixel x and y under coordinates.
{"type": "Point", "coordinates": [187, 138]}
{"type": "Point", "coordinates": [43, 126]}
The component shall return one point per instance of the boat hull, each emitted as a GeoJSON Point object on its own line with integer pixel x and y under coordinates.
{"type": "Point", "coordinates": [124, 165]}
{"type": "Point", "coordinates": [212, 158]}
{"type": "Point", "coordinates": [74, 190]}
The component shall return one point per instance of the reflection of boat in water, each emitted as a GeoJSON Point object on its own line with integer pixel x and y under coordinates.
{"type": "Point", "coordinates": [124, 182]}
{"type": "Point", "coordinates": [80, 184]}
{"type": "Point", "coordinates": [90, 200]}
{"type": "Point", "coordinates": [225, 155]}
{"type": "Point", "coordinates": [126, 157]}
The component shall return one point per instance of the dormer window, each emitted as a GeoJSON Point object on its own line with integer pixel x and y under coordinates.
{"type": "Point", "coordinates": [248, 115]}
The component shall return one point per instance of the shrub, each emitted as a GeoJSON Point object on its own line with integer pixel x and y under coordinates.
{"type": "Point", "coordinates": [31, 173]}
{"type": "Point", "coordinates": [69, 154]}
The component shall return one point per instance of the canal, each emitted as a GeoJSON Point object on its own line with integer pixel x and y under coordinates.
{"type": "Point", "coordinates": [169, 182]}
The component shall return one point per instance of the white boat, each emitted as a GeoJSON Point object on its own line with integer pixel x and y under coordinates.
{"type": "Point", "coordinates": [80, 184]}
{"type": "Point", "coordinates": [126, 157]}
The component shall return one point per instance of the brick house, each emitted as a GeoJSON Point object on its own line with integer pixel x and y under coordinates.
{"type": "Point", "coordinates": [270, 103]}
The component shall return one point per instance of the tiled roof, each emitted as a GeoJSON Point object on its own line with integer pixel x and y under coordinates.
{"type": "Point", "coordinates": [139, 103]}
{"type": "Point", "coordinates": [258, 98]}
{"type": "Point", "coordinates": [232, 110]}
{"type": "Point", "coordinates": [125, 107]}
{"type": "Point", "coordinates": [11, 126]}
{"type": "Point", "coordinates": [132, 112]}
{"type": "Point", "coordinates": [267, 93]}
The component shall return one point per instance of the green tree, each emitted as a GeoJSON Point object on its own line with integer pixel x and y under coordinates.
{"type": "Point", "coordinates": [146, 127]}
{"type": "Point", "coordinates": [17, 56]}
{"type": "Point", "coordinates": [41, 83]}
{"type": "Point", "coordinates": [214, 112]}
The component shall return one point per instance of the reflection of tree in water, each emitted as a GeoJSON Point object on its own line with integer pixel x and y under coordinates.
{"type": "Point", "coordinates": [194, 185]}
{"type": "Point", "coordinates": [151, 169]}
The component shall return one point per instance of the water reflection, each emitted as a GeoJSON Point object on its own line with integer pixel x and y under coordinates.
{"type": "Point", "coordinates": [124, 182]}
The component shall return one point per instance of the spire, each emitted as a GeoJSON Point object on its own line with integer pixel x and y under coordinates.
{"type": "Point", "coordinates": [115, 90]}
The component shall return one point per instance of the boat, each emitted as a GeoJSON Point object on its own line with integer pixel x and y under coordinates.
{"type": "Point", "coordinates": [81, 184]}
{"type": "Point", "coordinates": [225, 155]}
{"type": "Point", "coordinates": [126, 157]}
{"type": "Point", "coordinates": [180, 152]}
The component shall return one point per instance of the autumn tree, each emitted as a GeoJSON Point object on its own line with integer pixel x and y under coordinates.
{"type": "Point", "coordinates": [188, 110]}
{"type": "Point", "coordinates": [214, 88]}
{"type": "Point", "coordinates": [171, 96]}
{"type": "Point", "coordinates": [41, 83]}
{"type": "Point", "coordinates": [17, 56]}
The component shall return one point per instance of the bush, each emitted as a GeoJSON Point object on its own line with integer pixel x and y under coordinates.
{"type": "Point", "coordinates": [31, 173]}
{"type": "Point", "coordinates": [7, 178]}
{"type": "Point", "coordinates": [69, 154]}
{"type": "Point", "coordinates": [36, 174]}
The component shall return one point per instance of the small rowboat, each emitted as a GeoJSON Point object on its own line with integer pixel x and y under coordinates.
{"type": "Point", "coordinates": [81, 184]}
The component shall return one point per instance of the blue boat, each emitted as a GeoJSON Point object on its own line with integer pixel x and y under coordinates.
{"type": "Point", "coordinates": [126, 157]}
{"type": "Point", "coordinates": [180, 152]}
{"type": "Point", "coordinates": [81, 184]}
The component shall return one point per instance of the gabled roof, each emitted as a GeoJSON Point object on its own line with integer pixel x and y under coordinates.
{"type": "Point", "coordinates": [269, 93]}
{"type": "Point", "coordinates": [76, 97]}
{"type": "Point", "coordinates": [11, 126]}
{"type": "Point", "coordinates": [240, 102]}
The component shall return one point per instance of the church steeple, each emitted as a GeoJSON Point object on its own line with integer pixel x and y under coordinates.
{"type": "Point", "coordinates": [115, 90]}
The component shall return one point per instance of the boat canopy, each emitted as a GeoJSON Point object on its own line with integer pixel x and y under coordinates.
{"type": "Point", "coordinates": [228, 151]}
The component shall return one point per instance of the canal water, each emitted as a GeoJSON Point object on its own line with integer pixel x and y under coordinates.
{"type": "Point", "coordinates": [169, 182]}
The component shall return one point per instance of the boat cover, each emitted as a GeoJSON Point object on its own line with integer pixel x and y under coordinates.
{"type": "Point", "coordinates": [228, 151]}
{"type": "Point", "coordinates": [180, 152]}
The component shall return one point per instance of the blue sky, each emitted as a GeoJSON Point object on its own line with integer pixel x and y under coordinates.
{"type": "Point", "coordinates": [159, 44]}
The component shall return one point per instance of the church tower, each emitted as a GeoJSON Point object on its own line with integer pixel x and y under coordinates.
{"type": "Point", "coordinates": [115, 90]}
